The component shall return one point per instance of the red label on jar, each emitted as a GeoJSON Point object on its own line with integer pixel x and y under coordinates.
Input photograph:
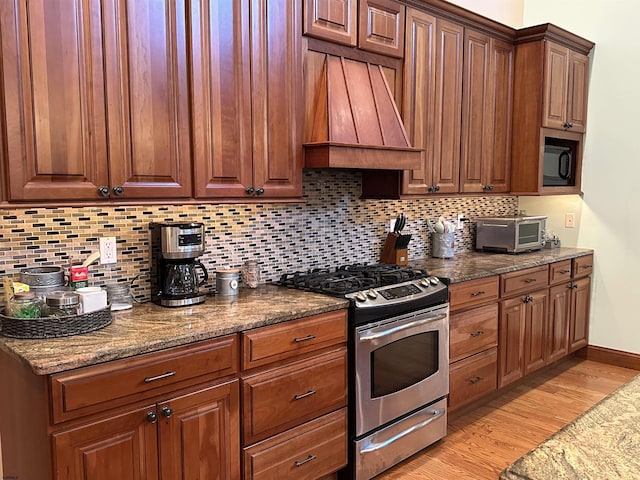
{"type": "Point", "coordinates": [79, 273]}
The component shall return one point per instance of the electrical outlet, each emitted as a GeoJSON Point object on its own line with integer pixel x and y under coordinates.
{"type": "Point", "coordinates": [570, 220]}
{"type": "Point", "coordinates": [108, 250]}
{"type": "Point", "coordinates": [461, 219]}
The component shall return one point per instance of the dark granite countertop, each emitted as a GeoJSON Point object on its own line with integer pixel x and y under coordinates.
{"type": "Point", "coordinates": [472, 265]}
{"type": "Point", "coordinates": [602, 443]}
{"type": "Point", "coordinates": [148, 327]}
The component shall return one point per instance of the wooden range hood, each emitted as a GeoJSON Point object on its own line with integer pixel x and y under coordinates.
{"type": "Point", "coordinates": [355, 121]}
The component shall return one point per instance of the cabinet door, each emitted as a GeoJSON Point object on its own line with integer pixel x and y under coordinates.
{"type": "Point", "coordinates": [54, 103]}
{"type": "Point", "coordinates": [148, 100]}
{"type": "Point", "coordinates": [276, 92]}
{"type": "Point", "coordinates": [511, 344]}
{"type": "Point", "coordinates": [556, 71]}
{"type": "Point", "coordinates": [448, 107]}
{"type": "Point", "coordinates": [381, 27]}
{"type": "Point", "coordinates": [332, 20]}
{"type": "Point", "coordinates": [497, 166]}
{"type": "Point", "coordinates": [221, 111]}
{"type": "Point", "coordinates": [477, 115]}
{"type": "Point", "coordinates": [535, 331]}
{"type": "Point", "coordinates": [199, 434]}
{"type": "Point", "coordinates": [419, 96]}
{"type": "Point", "coordinates": [558, 323]}
{"type": "Point", "coordinates": [579, 323]}
{"type": "Point", "coordinates": [578, 90]}
{"type": "Point", "coordinates": [123, 447]}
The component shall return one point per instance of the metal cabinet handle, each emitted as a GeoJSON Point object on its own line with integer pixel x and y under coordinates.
{"type": "Point", "coordinates": [586, 266]}
{"type": "Point", "coordinates": [478, 293]}
{"type": "Point", "coordinates": [564, 272]}
{"type": "Point", "coordinates": [260, 191]}
{"type": "Point", "coordinates": [527, 299]}
{"type": "Point", "coordinates": [310, 392]}
{"type": "Point", "coordinates": [529, 280]}
{"type": "Point", "coordinates": [103, 191]}
{"type": "Point", "coordinates": [304, 339]}
{"type": "Point", "coordinates": [250, 190]}
{"type": "Point", "coordinates": [118, 190]}
{"type": "Point", "coordinates": [166, 411]}
{"type": "Point", "coordinates": [306, 460]}
{"type": "Point", "coordinates": [477, 334]}
{"type": "Point", "coordinates": [573, 286]}
{"type": "Point", "coordinates": [475, 380]}
{"type": "Point", "coordinates": [152, 417]}
{"type": "Point", "coordinates": [159, 377]}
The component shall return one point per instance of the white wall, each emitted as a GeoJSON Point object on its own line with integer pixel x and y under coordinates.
{"type": "Point", "coordinates": [509, 12]}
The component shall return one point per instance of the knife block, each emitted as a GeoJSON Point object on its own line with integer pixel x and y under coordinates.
{"type": "Point", "coordinates": [391, 254]}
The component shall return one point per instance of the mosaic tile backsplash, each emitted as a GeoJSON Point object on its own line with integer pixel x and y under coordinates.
{"type": "Point", "coordinates": [332, 227]}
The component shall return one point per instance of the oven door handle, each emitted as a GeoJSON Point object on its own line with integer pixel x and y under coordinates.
{"type": "Point", "coordinates": [373, 334]}
{"type": "Point", "coordinates": [437, 413]}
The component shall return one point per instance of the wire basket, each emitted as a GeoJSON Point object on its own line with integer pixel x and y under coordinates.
{"type": "Point", "coordinates": [54, 327]}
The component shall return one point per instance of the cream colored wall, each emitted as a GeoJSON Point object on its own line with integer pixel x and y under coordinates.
{"type": "Point", "coordinates": [508, 12]}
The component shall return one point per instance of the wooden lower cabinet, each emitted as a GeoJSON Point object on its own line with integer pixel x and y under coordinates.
{"type": "Point", "coordinates": [473, 377]}
{"type": "Point", "coordinates": [558, 321]}
{"type": "Point", "coordinates": [191, 436]}
{"type": "Point", "coordinates": [522, 336]}
{"type": "Point", "coordinates": [579, 319]}
{"type": "Point", "coordinates": [302, 452]}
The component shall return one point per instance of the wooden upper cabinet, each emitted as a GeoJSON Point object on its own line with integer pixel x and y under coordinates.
{"type": "Point", "coordinates": [381, 27]}
{"type": "Point", "coordinates": [145, 54]}
{"type": "Point", "coordinates": [419, 96]}
{"type": "Point", "coordinates": [277, 97]}
{"type": "Point", "coordinates": [332, 20]}
{"type": "Point", "coordinates": [565, 88]}
{"type": "Point", "coordinates": [221, 113]}
{"type": "Point", "coordinates": [96, 99]}
{"type": "Point", "coordinates": [54, 100]}
{"type": "Point", "coordinates": [486, 114]}
{"type": "Point", "coordinates": [448, 107]}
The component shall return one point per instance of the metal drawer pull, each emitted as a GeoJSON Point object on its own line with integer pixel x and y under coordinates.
{"type": "Point", "coordinates": [473, 381]}
{"type": "Point", "coordinates": [303, 339]}
{"type": "Point", "coordinates": [477, 294]}
{"type": "Point", "coordinates": [435, 414]}
{"type": "Point", "coordinates": [310, 392]}
{"type": "Point", "coordinates": [306, 460]}
{"type": "Point", "coordinates": [529, 280]}
{"type": "Point", "coordinates": [564, 272]}
{"type": "Point", "coordinates": [159, 377]}
{"type": "Point", "coordinates": [477, 334]}
{"type": "Point", "coordinates": [586, 266]}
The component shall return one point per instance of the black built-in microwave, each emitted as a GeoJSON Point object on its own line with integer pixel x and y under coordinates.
{"type": "Point", "coordinates": [559, 168]}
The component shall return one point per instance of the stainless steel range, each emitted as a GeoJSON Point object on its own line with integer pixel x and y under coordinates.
{"type": "Point", "coordinates": [398, 359]}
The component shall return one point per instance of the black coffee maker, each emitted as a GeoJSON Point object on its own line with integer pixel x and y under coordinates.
{"type": "Point", "coordinates": [175, 277]}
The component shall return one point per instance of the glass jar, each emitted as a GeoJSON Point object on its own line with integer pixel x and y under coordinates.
{"type": "Point", "coordinates": [119, 296]}
{"type": "Point", "coordinates": [63, 304]}
{"type": "Point", "coordinates": [251, 273]}
{"type": "Point", "coordinates": [25, 305]}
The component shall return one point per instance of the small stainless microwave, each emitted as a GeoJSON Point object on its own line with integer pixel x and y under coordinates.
{"type": "Point", "coordinates": [512, 234]}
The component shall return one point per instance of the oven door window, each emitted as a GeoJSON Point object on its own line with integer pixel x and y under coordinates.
{"type": "Point", "coordinates": [528, 233]}
{"type": "Point", "coordinates": [403, 363]}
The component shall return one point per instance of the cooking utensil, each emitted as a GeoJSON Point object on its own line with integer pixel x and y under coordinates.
{"type": "Point", "coordinates": [91, 258]}
{"type": "Point", "coordinates": [403, 222]}
{"type": "Point", "coordinates": [402, 241]}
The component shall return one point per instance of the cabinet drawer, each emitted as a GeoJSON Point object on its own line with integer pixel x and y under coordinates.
{"type": "Point", "coordinates": [86, 390]}
{"type": "Point", "coordinates": [559, 272]}
{"type": "Point", "coordinates": [309, 451]}
{"type": "Point", "coordinates": [473, 292]}
{"type": "Point", "coordinates": [473, 377]}
{"type": "Point", "coordinates": [473, 331]}
{"type": "Point", "coordinates": [285, 340]}
{"type": "Point", "coordinates": [582, 266]}
{"type": "Point", "coordinates": [524, 280]}
{"type": "Point", "coordinates": [279, 399]}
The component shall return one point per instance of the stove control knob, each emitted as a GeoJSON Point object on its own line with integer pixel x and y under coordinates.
{"type": "Point", "coordinates": [361, 297]}
{"type": "Point", "coordinates": [434, 280]}
{"type": "Point", "coordinates": [424, 282]}
{"type": "Point", "coordinates": [372, 294]}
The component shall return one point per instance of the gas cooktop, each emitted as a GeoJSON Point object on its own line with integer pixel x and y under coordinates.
{"type": "Point", "coordinates": [351, 278]}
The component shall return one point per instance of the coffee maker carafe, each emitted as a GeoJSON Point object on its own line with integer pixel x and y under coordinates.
{"type": "Point", "coordinates": [176, 274]}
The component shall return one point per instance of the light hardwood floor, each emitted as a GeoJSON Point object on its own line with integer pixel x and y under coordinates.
{"type": "Point", "coordinates": [483, 441]}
